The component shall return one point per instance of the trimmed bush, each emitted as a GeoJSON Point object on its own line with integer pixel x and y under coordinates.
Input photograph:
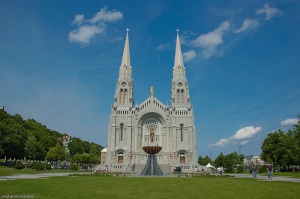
{"type": "Point", "coordinates": [240, 169]}
{"type": "Point", "coordinates": [48, 166]}
{"type": "Point", "coordinates": [263, 169]}
{"type": "Point", "coordinates": [38, 166]}
{"type": "Point", "coordinates": [19, 166]}
{"type": "Point", "coordinates": [229, 169]}
{"type": "Point", "coordinates": [74, 167]}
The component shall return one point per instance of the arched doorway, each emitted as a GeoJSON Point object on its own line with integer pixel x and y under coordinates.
{"type": "Point", "coordinates": [182, 158]}
{"type": "Point", "coordinates": [120, 157]}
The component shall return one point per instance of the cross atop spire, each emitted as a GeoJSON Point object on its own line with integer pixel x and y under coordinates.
{"type": "Point", "coordinates": [127, 29]}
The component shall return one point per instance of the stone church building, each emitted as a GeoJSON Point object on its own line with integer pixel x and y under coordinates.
{"type": "Point", "coordinates": [130, 124]}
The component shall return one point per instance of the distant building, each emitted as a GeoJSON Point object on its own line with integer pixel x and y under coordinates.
{"type": "Point", "coordinates": [103, 156]}
{"type": "Point", "coordinates": [172, 125]}
{"type": "Point", "coordinates": [253, 159]}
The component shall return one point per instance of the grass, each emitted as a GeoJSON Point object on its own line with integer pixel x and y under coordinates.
{"type": "Point", "coordinates": [8, 171]}
{"type": "Point", "coordinates": [149, 187]}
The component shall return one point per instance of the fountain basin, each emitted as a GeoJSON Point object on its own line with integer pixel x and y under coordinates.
{"type": "Point", "coordinates": [152, 149]}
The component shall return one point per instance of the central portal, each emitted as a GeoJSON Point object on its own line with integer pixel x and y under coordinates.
{"type": "Point", "coordinates": [152, 167]}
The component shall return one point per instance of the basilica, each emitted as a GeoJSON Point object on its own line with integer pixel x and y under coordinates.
{"type": "Point", "coordinates": [133, 126]}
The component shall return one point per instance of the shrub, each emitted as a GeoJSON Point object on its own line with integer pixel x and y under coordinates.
{"type": "Point", "coordinates": [48, 166]}
{"type": "Point", "coordinates": [74, 167]}
{"type": "Point", "coordinates": [229, 169]}
{"type": "Point", "coordinates": [240, 169]}
{"type": "Point", "coordinates": [38, 166]}
{"type": "Point", "coordinates": [263, 169]}
{"type": "Point", "coordinates": [19, 166]}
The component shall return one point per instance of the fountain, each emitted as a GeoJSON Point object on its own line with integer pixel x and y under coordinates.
{"type": "Point", "coordinates": [152, 167]}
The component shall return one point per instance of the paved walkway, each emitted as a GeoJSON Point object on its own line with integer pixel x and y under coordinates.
{"type": "Point", "coordinates": [265, 178]}
{"type": "Point", "coordinates": [47, 175]}
{"type": "Point", "coordinates": [31, 176]}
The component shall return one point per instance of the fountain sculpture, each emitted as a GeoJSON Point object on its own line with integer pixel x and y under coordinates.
{"type": "Point", "coordinates": [152, 167]}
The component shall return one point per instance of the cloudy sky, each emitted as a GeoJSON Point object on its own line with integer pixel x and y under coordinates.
{"type": "Point", "coordinates": [60, 60]}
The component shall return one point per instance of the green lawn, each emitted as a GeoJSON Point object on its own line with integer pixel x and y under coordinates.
{"type": "Point", "coordinates": [8, 171]}
{"type": "Point", "coordinates": [149, 187]}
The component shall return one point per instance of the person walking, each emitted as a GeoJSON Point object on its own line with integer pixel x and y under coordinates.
{"type": "Point", "coordinates": [270, 171]}
{"type": "Point", "coordinates": [254, 171]}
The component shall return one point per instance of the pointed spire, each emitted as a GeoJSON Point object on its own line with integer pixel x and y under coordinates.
{"type": "Point", "coordinates": [178, 69]}
{"type": "Point", "coordinates": [125, 68]}
{"type": "Point", "coordinates": [126, 52]}
{"type": "Point", "coordinates": [178, 54]}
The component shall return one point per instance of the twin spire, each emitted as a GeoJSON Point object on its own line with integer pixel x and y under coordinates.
{"type": "Point", "coordinates": [178, 69]}
{"type": "Point", "coordinates": [125, 68]}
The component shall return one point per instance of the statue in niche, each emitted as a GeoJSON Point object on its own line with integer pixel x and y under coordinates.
{"type": "Point", "coordinates": [151, 135]}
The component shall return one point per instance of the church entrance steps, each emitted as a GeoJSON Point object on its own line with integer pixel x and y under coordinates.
{"type": "Point", "coordinates": [138, 168]}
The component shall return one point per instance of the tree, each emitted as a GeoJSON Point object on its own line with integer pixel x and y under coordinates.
{"type": "Point", "coordinates": [56, 153]}
{"type": "Point", "coordinates": [34, 150]}
{"type": "Point", "coordinates": [12, 136]}
{"type": "Point", "coordinates": [220, 160]}
{"type": "Point", "coordinates": [233, 159]}
{"type": "Point", "coordinates": [279, 148]}
{"type": "Point", "coordinates": [205, 160]}
{"type": "Point", "coordinates": [75, 146]}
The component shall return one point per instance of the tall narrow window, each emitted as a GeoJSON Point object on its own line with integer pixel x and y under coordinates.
{"type": "Point", "coordinates": [121, 132]}
{"type": "Point", "coordinates": [181, 132]}
{"type": "Point", "coordinates": [182, 96]}
{"type": "Point", "coordinates": [125, 97]}
{"type": "Point", "coordinates": [121, 96]}
{"type": "Point", "coordinates": [178, 96]}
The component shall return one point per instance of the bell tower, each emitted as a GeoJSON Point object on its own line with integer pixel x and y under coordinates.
{"type": "Point", "coordinates": [124, 88]}
{"type": "Point", "coordinates": [180, 90]}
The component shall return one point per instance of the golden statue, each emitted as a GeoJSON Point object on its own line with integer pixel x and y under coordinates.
{"type": "Point", "coordinates": [151, 135]}
{"type": "Point", "coordinates": [151, 90]}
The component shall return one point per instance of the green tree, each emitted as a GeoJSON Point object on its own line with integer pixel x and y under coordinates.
{"type": "Point", "coordinates": [233, 159]}
{"type": "Point", "coordinates": [34, 150]}
{"type": "Point", "coordinates": [204, 161]}
{"type": "Point", "coordinates": [75, 146]}
{"type": "Point", "coordinates": [57, 153]}
{"type": "Point", "coordinates": [279, 148]}
{"type": "Point", "coordinates": [95, 149]}
{"type": "Point", "coordinates": [220, 160]}
{"type": "Point", "coordinates": [13, 136]}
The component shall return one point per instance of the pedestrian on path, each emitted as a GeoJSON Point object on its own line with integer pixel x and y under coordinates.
{"type": "Point", "coordinates": [254, 171]}
{"type": "Point", "coordinates": [270, 171]}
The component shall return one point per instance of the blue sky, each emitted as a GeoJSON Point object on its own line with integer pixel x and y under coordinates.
{"type": "Point", "coordinates": [60, 60]}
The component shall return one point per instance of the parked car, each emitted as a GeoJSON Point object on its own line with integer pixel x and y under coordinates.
{"type": "Point", "coordinates": [177, 170]}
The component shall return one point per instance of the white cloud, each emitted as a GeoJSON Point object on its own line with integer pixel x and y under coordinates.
{"type": "Point", "coordinates": [248, 24]}
{"type": "Point", "coordinates": [246, 133]}
{"type": "Point", "coordinates": [107, 16]}
{"type": "Point", "coordinates": [241, 137]}
{"type": "Point", "coordinates": [211, 40]}
{"type": "Point", "coordinates": [84, 34]}
{"type": "Point", "coordinates": [189, 55]}
{"type": "Point", "coordinates": [88, 29]}
{"type": "Point", "coordinates": [269, 11]}
{"type": "Point", "coordinates": [162, 47]}
{"type": "Point", "coordinates": [78, 19]}
{"type": "Point", "coordinates": [290, 121]}
{"type": "Point", "coordinates": [221, 143]}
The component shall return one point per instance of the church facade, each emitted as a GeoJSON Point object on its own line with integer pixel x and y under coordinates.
{"type": "Point", "coordinates": [172, 127]}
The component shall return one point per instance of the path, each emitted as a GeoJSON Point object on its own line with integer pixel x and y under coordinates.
{"type": "Point", "coordinates": [265, 178]}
